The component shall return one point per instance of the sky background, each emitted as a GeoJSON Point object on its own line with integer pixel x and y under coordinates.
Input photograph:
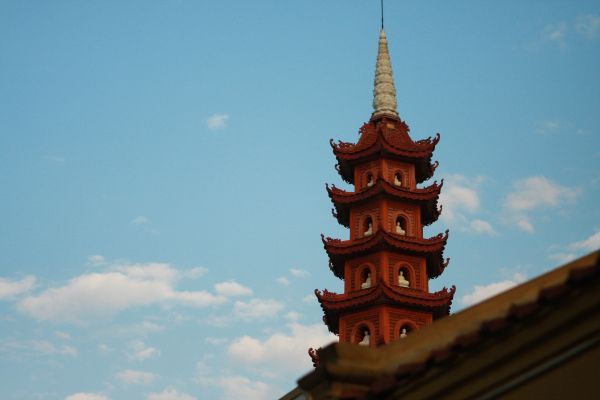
{"type": "Point", "coordinates": [162, 171]}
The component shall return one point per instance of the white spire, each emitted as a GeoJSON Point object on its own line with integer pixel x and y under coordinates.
{"type": "Point", "coordinates": [384, 93]}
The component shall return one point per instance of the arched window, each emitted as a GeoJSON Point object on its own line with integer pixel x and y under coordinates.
{"type": "Point", "coordinates": [368, 227]}
{"type": "Point", "coordinates": [405, 328]}
{"type": "Point", "coordinates": [404, 277]}
{"type": "Point", "coordinates": [400, 225]}
{"type": "Point", "coordinates": [370, 180]}
{"type": "Point", "coordinates": [366, 279]}
{"type": "Point", "coordinates": [362, 335]}
{"type": "Point", "coordinates": [398, 179]}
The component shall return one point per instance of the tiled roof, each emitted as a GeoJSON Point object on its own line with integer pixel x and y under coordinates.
{"type": "Point", "coordinates": [464, 331]}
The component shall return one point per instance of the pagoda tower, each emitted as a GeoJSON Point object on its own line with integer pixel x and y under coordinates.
{"type": "Point", "coordinates": [387, 263]}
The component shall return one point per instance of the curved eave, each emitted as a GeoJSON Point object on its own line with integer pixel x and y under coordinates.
{"type": "Point", "coordinates": [433, 248]}
{"type": "Point", "coordinates": [390, 143]}
{"type": "Point", "coordinates": [427, 198]}
{"type": "Point", "coordinates": [333, 305]}
{"type": "Point", "coordinates": [424, 168]}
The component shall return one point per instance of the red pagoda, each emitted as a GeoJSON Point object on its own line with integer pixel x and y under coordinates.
{"type": "Point", "coordinates": [387, 263]}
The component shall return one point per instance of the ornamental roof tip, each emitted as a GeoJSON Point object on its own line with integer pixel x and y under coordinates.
{"type": "Point", "coordinates": [384, 91]}
{"type": "Point", "coordinates": [430, 140]}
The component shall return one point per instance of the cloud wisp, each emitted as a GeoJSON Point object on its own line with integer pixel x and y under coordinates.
{"type": "Point", "coordinates": [217, 122]}
{"type": "Point", "coordinates": [532, 194]}
{"type": "Point", "coordinates": [480, 293]}
{"type": "Point", "coordinates": [33, 348]}
{"type": "Point", "coordinates": [86, 396]}
{"type": "Point", "coordinates": [169, 394]}
{"type": "Point", "coordinates": [13, 288]}
{"type": "Point", "coordinates": [120, 287]}
{"type": "Point", "coordinates": [139, 351]}
{"type": "Point", "coordinates": [565, 254]}
{"type": "Point", "coordinates": [257, 309]}
{"type": "Point", "coordinates": [281, 351]}
{"type": "Point", "coordinates": [556, 34]}
{"type": "Point", "coordinates": [133, 377]}
{"type": "Point", "coordinates": [588, 25]}
{"type": "Point", "coordinates": [460, 201]}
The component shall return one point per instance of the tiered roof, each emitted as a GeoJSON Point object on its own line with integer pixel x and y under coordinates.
{"type": "Point", "coordinates": [432, 248]}
{"type": "Point", "coordinates": [388, 138]}
{"type": "Point", "coordinates": [334, 304]}
{"type": "Point", "coordinates": [427, 198]}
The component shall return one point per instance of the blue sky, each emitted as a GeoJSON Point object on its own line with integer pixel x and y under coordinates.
{"type": "Point", "coordinates": [162, 170]}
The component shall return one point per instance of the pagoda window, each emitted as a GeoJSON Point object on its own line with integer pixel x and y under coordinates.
{"type": "Point", "coordinates": [366, 278]}
{"type": "Point", "coordinates": [370, 180]}
{"type": "Point", "coordinates": [404, 277]}
{"type": "Point", "coordinates": [363, 336]}
{"type": "Point", "coordinates": [398, 179]}
{"type": "Point", "coordinates": [400, 228]}
{"type": "Point", "coordinates": [405, 328]}
{"type": "Point", "coordinates": [368, 227]}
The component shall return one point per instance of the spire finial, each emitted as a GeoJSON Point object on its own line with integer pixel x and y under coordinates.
{"type": "Point", "coordinates": [384, 93]}
{"type": "Point", "coordinates": [382, 14]}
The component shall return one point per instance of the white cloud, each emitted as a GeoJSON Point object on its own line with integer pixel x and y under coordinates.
{"type": "Point", "coordinates": [565, 254]}
{"type": "Point", "coordinates": [590, 244]}
{"type": "Point", "coordinates": [86, 396]}
{"type": "Point", "coordinates": [556, 33]}
{"type": "Point", "coordinates": [133, 377]}
{"type": "Point", "coordinates": [282, 280]}
{"type": "Point", "coordinates": [588, 25]}
{"type": "Point", "coordinates": [292, 316]}
{"type": "Point", "coordinates": [299, 273]}
{"type": "Point", "coordinates": [10, 288]}
{"type": "Point", "coordinates": [169, 394]}
{"type": "Point", "coordinates": [125, 286]}
{"type": "Point", "coordinates": [232, 289]}
{"type": "Point", "coordinates": [143, 328]}
{"type": "Point", "coordinates": [547, 127]}
{"type": "Point", "coordinates": [309, 298]}
{"type": "Point", "coordinates": [523, 223]}
{"type": "Point", "coordinates": [204, 375]}
{"type": "Point", "coordinates": [460, 199]}
{"type": "Point", "coordinates": [62, 335]}
{"type": "Point", "coordinates": [195, 273]}
{"type": "Point", "coordinates": [562, 258]}
{"type": "Point", "coordinates": [217, 121]}
{"type": "Point", "coordinates": [216, 341]}
{"type": "Point", "coordinates": [481, 226]}
{"type": "Point", "coordinates": [140, 352]}
{"type": "Point", "coordinates": [103, 348]}
{"type": "Point", "coordinates": [140, 220]}
{"type": "Point", "coordinates": [257, 308]}
{"type": "Point", "coordinates": [459, 195]}
{"type": "Point", "coordinates": [481, 293]}
{"type": "Point", "coordinates": [95, 260]}
{"type": "Point", "coordinates": [281, 352]}
{"type": "Point", "coordinates": [534, 193]}
{"type": "Point", "coordinates": [36, 348]}
{"type": "Point", "coordinates": [240, 387]}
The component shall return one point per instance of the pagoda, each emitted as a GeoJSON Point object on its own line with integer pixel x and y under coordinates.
{"type": "Point", "coordinates": [386, 264]}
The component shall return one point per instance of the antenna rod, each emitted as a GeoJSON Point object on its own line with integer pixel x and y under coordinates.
{"type": "Point", "coordinates": [382, 14]}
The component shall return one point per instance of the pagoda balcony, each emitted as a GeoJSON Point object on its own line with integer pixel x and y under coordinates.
{"type": "Point", "coordinates": [427, 198]}
{"type": "Point", "coordinates": [339, 251]}
{"type": "Point", "coordinates": [334, 304]}
{"type": "Point", "coordinates": [378, 140]}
